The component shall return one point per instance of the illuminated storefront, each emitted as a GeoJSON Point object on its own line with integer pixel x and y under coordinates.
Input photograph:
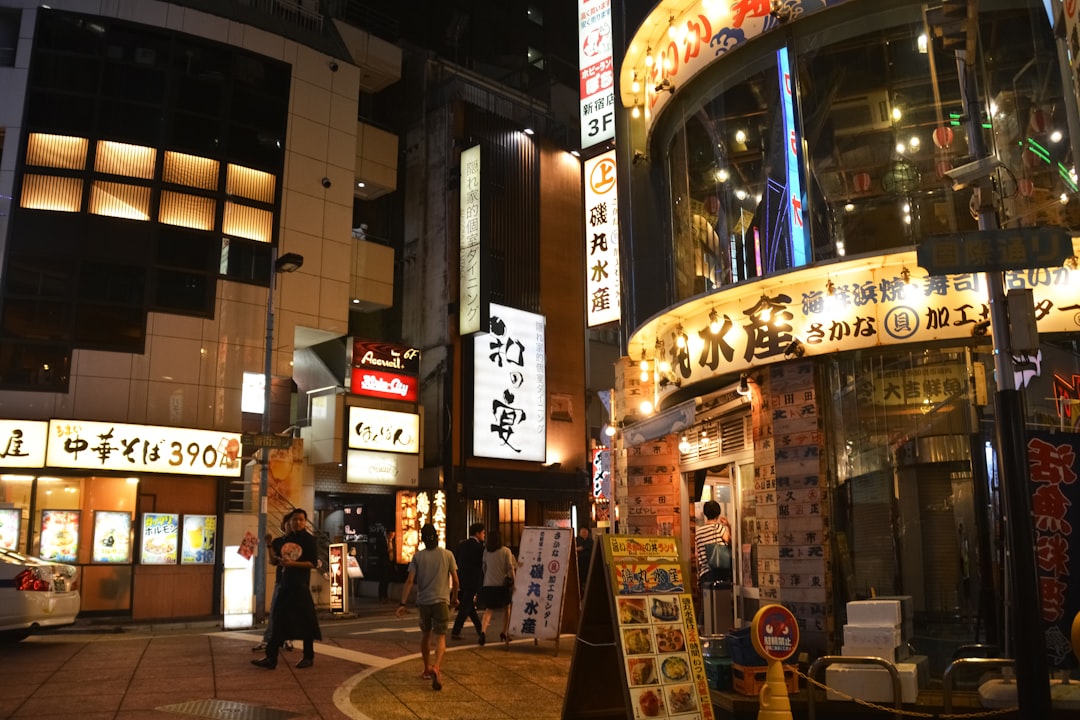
{"type": "Point", "coordinates": [134, 507]}
{"type": "Point", "coordinates": [795, 358]}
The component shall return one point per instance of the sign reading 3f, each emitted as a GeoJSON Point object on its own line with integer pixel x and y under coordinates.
{"type": "Point", "coordinates": [596, 70]}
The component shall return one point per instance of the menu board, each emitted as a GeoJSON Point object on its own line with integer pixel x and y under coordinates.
{"type": "Point", "coordinates": [9, 527]}
{"type": "Point", "coordinates": [338, 602]}
{"type": "Point", "coordinates": [199, 540]}
{"type": "Point", "coordinates": [159, 531]}
{"type": "Point", "coordinates": [657, 630]}
{"type": "Point", "coordinates": [59, 535]}
{"type": "Point", "coordinates": [112, 537]}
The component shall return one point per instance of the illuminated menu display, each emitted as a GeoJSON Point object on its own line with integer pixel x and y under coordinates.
{"type": "Point", "coordinates": [112, 537]}
{"type": "Point", "coordinates": [199, 540]}
{"type": "Point", "coordinates": [159, 536]}
{"type": "Point", "coordinates": [60, 535]}
{"type": "Point", "coordinates": [10, 519]}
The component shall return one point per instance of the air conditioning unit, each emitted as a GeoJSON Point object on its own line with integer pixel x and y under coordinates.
{"type": "Point", "coordinates": [862, 113]}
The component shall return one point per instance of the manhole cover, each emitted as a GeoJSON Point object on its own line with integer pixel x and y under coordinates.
{"type": "Point", "coordinates": [226, 710]}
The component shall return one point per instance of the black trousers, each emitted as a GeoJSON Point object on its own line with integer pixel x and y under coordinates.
{"type": "Point", "coordinates": [467, 609]}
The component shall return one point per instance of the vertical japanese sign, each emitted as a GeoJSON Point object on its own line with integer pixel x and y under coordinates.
{"type": "Point", "coordinates": [657, 629]}
{"type": "Point", "coordinates": [540, 582]}
{"type": "Point", "coordinates": [1054, 465]}
{"type": "Point", "coordinates": [510, 387]}
{"type": "Point", "coordinates": [799, 233]}
{"type": "Point", "coordinates": [471, 305]}
{"type": "Point", "coordinates": [603, 290]}
{"type": "Point", "coordinates": [596, 70]}
{"type": "Point", "coordinates": [338, 596]}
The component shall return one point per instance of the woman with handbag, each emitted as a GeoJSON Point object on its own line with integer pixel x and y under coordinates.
{"type": "Point", "coordinates": [495, 594]}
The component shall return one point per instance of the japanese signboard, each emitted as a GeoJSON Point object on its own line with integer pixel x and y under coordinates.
{"type": "Point", "coordinates": [199, 542]}
{"type": "Point", "coordinates": [339, 597]}
{"type": "Point", "coordinates": [159, 538]}
{"type": "Point", "coordinates": [798, 233]}
{"type": "Point", "coordinates": [851, 305]}
{"type": "Point", "coordinates": [22, 443]}
{"type": "Point", "coordinates": [88, 445]}
{"type": "Point", "coordinates": [702, 34]}
{"type": "Point", "coordinates": [657, 629]}
{"type": "Point", "coordinates": [510, 387]}
{"type": "Point", "coordinates": [603, 284]}
{"type": "Point", "coordinates": [382, 468]}
{"type": "Point", "coordinates": [1054, 466]}
{"type": "Point", "coordinates": [472, 303]}
{"type": "Point", "coordinates": [995, 250]}
{"type": "Point", "coordinates": [60, 535]}
{"type": "Point", "coordinates": [383, 430]}
{"type": "Point", "coordinates": [596, 68]}
{"type": "Point", "coordinates": [112, 537]}
{"type": "Point", "coordinates": [544, 559]}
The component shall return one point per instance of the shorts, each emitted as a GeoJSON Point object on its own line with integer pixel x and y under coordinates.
{"type": "Point", "coordinates": [435, 618]}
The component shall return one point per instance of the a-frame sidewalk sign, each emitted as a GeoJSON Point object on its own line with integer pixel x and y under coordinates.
{"type": "Point", "coordinates": [637, 654]}
{"type": "Point", "coordinates": [546, 600]}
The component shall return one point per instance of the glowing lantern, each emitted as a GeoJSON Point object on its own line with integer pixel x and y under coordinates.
{"type": "Point", "coordinates": [943, 137]}
{"type": "Point", "coordinates": [1025, 187]}
{"type": "Point", "coordinates": [861, 181]}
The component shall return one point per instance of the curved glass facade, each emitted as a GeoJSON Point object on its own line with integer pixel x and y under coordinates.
{"type": "Point", "coordinates": [851, 156]}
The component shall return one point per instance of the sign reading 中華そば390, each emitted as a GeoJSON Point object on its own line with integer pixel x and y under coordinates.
{"type": "Point", "coordinates": [124, 448]}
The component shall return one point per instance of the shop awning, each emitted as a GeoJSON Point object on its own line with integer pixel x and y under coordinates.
{"type": "Point", "coordinates": [674, 419]}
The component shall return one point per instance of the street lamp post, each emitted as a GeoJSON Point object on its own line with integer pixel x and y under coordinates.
{"type": "Point", "coordinates": [289, 262]}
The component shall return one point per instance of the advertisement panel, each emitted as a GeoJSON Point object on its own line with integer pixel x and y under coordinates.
{"type": "Point", "coordinates": [596, 69]}
{"type": "Point", "coordinates": [381, 468]}
{"type": "Point", "coordinates": [603, 284]}
{"type": "Point", "coordinates": [510, 387]}
{"type": "Point", "coordinates": [376, 355]}
{"type": "Point", "coordinates": [10, 519]}
{"type": "Point", "coordinates": [199, 540]}
{"type": "Point", "coordinates": [383, 430]}
{"type": "Point", "coordinates": [60, 535]}
{"type": "Point", "coordinates": [380, 384]}
{"type": "Point", "coordinates": [339, 602]}
{"type": "Point", "coordinates": [471, 302]}
{"type": "Point", "coordinates": [112, 537]}
{"type": "Point", "coordinates": [159, 538]}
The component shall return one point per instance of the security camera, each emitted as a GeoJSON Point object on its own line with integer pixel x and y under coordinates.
{"type": "Point", "coordinates": [333, 66]}
{"type": "Point", "coordinates": [973, 171]}
{"type": "Point", "coordinates": [326, 182]}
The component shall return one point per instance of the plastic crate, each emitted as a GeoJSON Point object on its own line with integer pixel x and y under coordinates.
{"type": "Point", "coordinates": [718, 673]}
{"type": "Point", "coordinates": [748, 680]}
{"type": "Point", "coordinates": [741, 648]}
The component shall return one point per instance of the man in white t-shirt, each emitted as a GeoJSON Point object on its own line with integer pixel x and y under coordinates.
{"type": "Point", "coordinates": [434, 571]}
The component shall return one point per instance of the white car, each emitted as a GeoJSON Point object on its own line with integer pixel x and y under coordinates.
{"type": "Point", "coordinates": [35, 594]}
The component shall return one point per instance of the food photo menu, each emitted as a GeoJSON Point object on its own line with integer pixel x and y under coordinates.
{"type": "Point", "coordinates": [665, 670]}
{"type": "Point", "coordinates": [159, 536]}
{"type": "Point", "coordinates": [60, 535]}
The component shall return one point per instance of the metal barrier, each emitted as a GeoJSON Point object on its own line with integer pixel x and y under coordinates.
{"type": "Point", "coordinates": [947, 678]}
{"type": "Point", "coordinates": [826, 660]}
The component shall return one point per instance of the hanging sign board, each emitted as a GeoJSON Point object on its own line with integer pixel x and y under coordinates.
{"type": "Point", "coordinates": [546, 562]}
{"type": "Point", "coordinates": [638, 653]}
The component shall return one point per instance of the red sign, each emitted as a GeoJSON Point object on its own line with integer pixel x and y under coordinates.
{"type": "Point", "coordinates": [375, 383]}
{"type": "Point", "coordinates": [775, 633]}
{"type": "Point", "coordinates": [385, 356]}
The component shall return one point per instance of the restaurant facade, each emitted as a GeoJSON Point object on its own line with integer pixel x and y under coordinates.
{"type": "Point", "coordinates": [803, 228]}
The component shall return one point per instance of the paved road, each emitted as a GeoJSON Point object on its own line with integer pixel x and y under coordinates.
{"type": "Point", "coordinates": [366, 668]}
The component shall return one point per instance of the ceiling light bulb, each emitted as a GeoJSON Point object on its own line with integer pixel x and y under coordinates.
{"type": "Point", "coordinates": [672, 31]}
{"type": "Point", "coordinates": [740, 136]}
{"type": "Point", "coordinates": [896, 114]}
{"type": "Point", "coordinates": [648, 57]}
{"type": "Point", "coordinates": [636, 112]}
{"type": "Point", "coordinates": [714, 322]}
{"type": "Point", "coordinates": [680, 337]}
{"type": "Point", "coordinates": [646, 407]}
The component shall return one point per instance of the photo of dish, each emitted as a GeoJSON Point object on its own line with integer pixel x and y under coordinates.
{"type": "Point", "coordinates": [675, 669]}
{"type": "Point", "coordinates": [681, 698]}
{"type": "Point", "coordinates": [647, 704]}
{"type": "Point", "coordinates": [291, 551]}
{"type": "Point", "coordinates": [164, 545]}
{"type": "Point", "coordinates": [642, 671]}
{"type": "Point", "coordinates": [665, 608]}
{"type": "Point", "coordinates": [637, 641]}
{"type": "Point", "coordinates": [632, 611]}
{"type": "Point", "coordinates": [669, 638]}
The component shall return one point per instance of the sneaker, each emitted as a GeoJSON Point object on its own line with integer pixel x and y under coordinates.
{"type": "Point", "coordinates": [436, 681]}
{"type": "Point", "coordinates": [264, 663]}
{"type": "Point", "coordinates": [261, 647]}
{"type": "Point", "coordinates": [288, 646]}
{"type": "Point", "coordinates": [426, 675]}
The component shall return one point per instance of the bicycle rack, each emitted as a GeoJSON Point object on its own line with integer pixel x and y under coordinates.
{"type": "Point", "coordinates": [947, 678]}
{"type": "Point", "coordinates": [826, 660]}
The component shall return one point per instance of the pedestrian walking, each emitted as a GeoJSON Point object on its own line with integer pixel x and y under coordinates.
{"type": "Point", "coordinates": [498, 587]}
{"type": "Point", "coordinates": [294, 617]}
{"type": "Point", "coordinates": [273, 553]}
{"type": "Point", "coordinates": [386, 562]}
{"type": "Point", "coordinates": [470, 561]}
{"type": "Point", "coordinates": [434, 572]}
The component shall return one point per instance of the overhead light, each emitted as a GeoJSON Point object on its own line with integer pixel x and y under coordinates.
{"type": "Point", "coordinates": [636, 112]}
{"type": "Point", "coordinates": [744, 385]}
{"type": "Point", "coordinates": [905, 275]}
{"type": "Point", "coordinates": [575, 153]}
{"type": "Point", "coordinates": [714, 322]}
{"type": "Point", "coordinates": [672, 31]}
{"type": "Point", "coordinates": [646, 407]}
{"type": "Point", "coordinates": [356, 301]}
{"type": "Point", "coordinates": [648, 57]}
{"type": "Point", "coordinates": [680, 337]}
{"type": "Point", "coordinates": [635, 84]}
{"type": "Point", "coordinates": [610, 431]}
{"type": "Point", "coordinates": [289, 262]}
{"type": "Point", "coordinates": [684, 445]}
{"type": "Point", "coordinates": [360, 184]}
{"type": "Point", "coordinates": [529, 131]}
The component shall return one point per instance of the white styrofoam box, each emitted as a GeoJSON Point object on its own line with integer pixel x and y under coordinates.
{"type": "Point", "coordinates": [874, 612]}
{"type": "Point", "coordinates": [872, 635]}
{"type": "Point", "coordinates": [873, 684]}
